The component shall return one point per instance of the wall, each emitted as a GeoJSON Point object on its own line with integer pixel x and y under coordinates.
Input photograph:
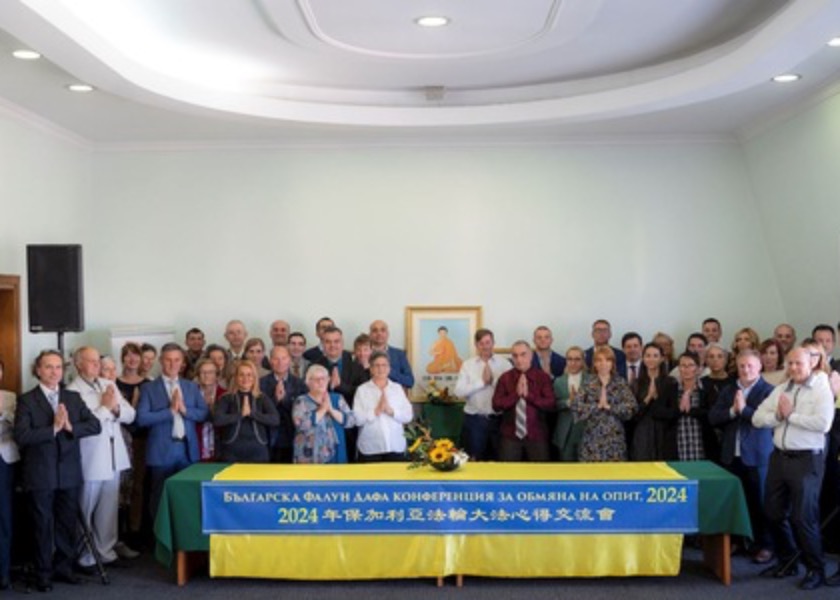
{"type": "Point", "coordinates": [796, 179]}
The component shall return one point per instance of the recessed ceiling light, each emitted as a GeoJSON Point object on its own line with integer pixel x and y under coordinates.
{"type": "Point", "coordinates": [834, 42]}
{"type": "Point", "coordinates": [26, 54]}
{"type": "Point", "coordinates": [432, 21]}
{"type": "Point", "coordinates": [787, 78]}
{"type": "Point", "coordinates": [80, 87]}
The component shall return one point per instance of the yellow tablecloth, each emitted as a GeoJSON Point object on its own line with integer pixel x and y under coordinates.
{"type": "Point", "coordinates": [406, 556]}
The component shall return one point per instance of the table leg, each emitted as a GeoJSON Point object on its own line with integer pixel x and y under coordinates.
{"type": "Point", "coordinates": [459, 581]}
{"type": "Point", "coordinates": [717, 555]}
{"type": "Point", "coordinates": [188, 563]}
{"type": "Point", "coordinates": [440, 581]}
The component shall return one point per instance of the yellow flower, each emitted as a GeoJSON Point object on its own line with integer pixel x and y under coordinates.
{"type": "Point", "coordinates": [415, 445]}
{"type": "Point", "coordinates": [444, 443]}
{"type": "Point", "coordinates": [438, 455]}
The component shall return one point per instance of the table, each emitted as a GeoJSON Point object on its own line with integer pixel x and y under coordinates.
{"type": "Point", "coordinates": [722, 512]}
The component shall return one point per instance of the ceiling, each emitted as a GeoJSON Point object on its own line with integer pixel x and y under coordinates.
{"type": "Point", "coordinates": [323, 71]}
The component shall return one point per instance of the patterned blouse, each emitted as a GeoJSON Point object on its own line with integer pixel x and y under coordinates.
{"type": "Point", "coordinates": [603, 434]}
{"type": "Point", "coordinates": [690, 430]}
{"type": "Point", "coordinates": [320, 441]}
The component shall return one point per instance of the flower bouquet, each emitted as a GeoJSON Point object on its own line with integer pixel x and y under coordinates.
{"type": "Point", "coordinates": [440, 454]}
{"type": "Point", "coordinates": [436, 395]}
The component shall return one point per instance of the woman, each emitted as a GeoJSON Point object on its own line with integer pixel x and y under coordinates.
{"type": "Point", "coordinates": [772, 362]}
{"type": "Point", "coordinates": [243, 417]}
{"type": "Point", "coordinates": [745, 338]}
{"type": "Point", "coordinates": [207, 377]}
{"type": "Point", "coordinates": [219, 357]}
{"type": "Point", "coordinates": [255, 352]}
{"type": "Point", "coordinates": [320, 418]}
{"type": "Point", "coordinates": [108, 368]}
{"type": "Point", "coordinates": [567, 433]}
{"type": "Point", "coordinates": [694, 434]}
{"type": "Point", "coordinates": [381, 409]}
{"type": "Point", "coordinates": [131, 379]}
{"type": "Point", "coordinates": [9, 455]}
{"type": "Point", "coordinates": [603, 405]}
{"type": "Point", "coordinates": [717, 360]}
{"type": "Point", "coordinates": [666, 343]}
{"type": "Point", "coordinates": [655, 433]}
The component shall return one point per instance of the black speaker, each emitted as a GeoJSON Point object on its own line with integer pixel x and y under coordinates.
{"type": "Point", "coordinates": [55, 288]}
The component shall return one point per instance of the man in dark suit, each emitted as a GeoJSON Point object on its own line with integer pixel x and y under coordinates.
{"type": "Point", "coordinates": [170, 407]}
{"type": "Point", "coordinates": [400, 368]}
{"type": "Point", "coordinates": [283, 387]}
{"type": "Point", "coordinates": [601, 334]}
{"type": "Point", "coordinates": [316, 352]}
{"type": "Point", "coordinates": [746, 450]}
{"type": "Point", "coordinates": [49, 423]}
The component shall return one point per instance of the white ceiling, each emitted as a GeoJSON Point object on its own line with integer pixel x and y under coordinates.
{"type": "Point", "coordinates": [297, 71]}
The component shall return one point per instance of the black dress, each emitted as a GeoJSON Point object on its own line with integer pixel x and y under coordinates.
{"type": "Point", "coordinates": [655, 431]}
{"type": "Point", "coordinates": [245, 439]}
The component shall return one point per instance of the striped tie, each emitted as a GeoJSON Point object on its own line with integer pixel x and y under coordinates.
{"type": "Point", "coordinates": [521, 419]}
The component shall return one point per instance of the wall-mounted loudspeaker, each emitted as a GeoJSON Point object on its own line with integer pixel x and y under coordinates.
{"type": "Point", "coordinates": [55, 288]}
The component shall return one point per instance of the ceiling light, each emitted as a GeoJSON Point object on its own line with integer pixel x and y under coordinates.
{"type": "Point", "coordinates": [26, 54]}
{"type": "Point", "coordinates": [834, 42]}
{"type": "Point", "coordinates": [787, 78]}
{"type": "Point", "coordinates": [80, 87]}
{"type": "Point", "coordinates": [432, 21]}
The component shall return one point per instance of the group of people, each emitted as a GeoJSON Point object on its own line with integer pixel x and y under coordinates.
{"type": "Point", "coordinates": [103, 445]}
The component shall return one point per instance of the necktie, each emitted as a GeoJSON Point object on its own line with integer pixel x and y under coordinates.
{"type": "Point", "coordinates": [53, 399]}
{"type": "Point", "coordinates": [178, 429]}
{"type": "Point", "coordinates": [296, 370]}
{"type": "Point", "coordinates": [521, 419]}
{"type": "Point", "coordinates": [632, 373]}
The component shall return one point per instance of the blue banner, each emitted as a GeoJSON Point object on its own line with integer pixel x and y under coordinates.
{"type": "Point", "coordinates": [431, 507]}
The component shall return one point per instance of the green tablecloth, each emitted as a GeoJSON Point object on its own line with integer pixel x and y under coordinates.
{"type": "Point", "coordinates": [723, 508]}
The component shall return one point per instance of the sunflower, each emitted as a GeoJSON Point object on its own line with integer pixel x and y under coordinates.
{"type": "Point", "coordinates": [439, 455]}
{"type": "Point", "coordinates": [444, 443]}
{"type": "Point", "coordinates": [415, 445]}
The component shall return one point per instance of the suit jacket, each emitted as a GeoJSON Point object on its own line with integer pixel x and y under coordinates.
{"type": "Point", "coordinates": [153, 412]}
{"type": "Point", "coordinates": [283, 435]}
{"type": "Point", "coordinates": [51, 461]}
{"type": "Point", "coordinates": [313, 354]}
{"type": "Point", "coordinates": [756, 444]}
{"type": "Point", "coordinates": [620, 360]}
{"type": "Point", "coordinates": [352, 375]}
{"type": "Point", "coordinates": [557, 364]}
{"type": "Point", "coordinates": [400, 368]}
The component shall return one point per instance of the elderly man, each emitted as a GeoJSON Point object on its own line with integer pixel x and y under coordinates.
{"type": "Point", "coordinates": [712, 329]}
{"type": "Point", "coordinates": [523, 395]}
{"type": "Point", "coordinates": [476, 383]}
{"type": "Point", "coordinates": [400, 368]}
{"type": "Point", "coordinates": [800, 413]}
{"type": "Point", "coordinates": [236, 335]}
{"type": "Point", "coordinates": [49, 424]}
{"type": "Point", "coordinates": [544, 357]}
{"type": "Point", "coordinates": [104, 456]}
{"type": "Point", "coordinates": [283, 388]}
{"type": "Point", "coordinates": [786, 336]}
{"type": "Point", "coordinates": [278, 331]}
{"type": "Point", "coordinates": [170, 407]}
{"type": "Point", "coordinates": [601, 334]}
{"type": "Point", "coordinates": [745, 449]}
{"type": "Point", "coordinates": [316, 352]}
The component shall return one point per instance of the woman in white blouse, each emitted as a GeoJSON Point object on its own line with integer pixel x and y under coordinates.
{"type": "Point", "coordinates": [381, 409]}
{"type": "Point", "coordinates": [8, 456]}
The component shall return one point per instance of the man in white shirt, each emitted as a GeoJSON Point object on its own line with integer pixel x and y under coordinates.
{"type": "Point", "coordinates": [476, 384]}
{"type": "Point", "coordinates": [104, 456]}
{"type": "Point", "coordinates": [800, 413]}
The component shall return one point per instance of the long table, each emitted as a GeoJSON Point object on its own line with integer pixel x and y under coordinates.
{"type": "Point", "coordinates": [721, 513]}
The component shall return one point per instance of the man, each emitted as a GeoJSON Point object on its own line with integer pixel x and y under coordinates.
{"type": "Point", "coordinates": [48, 426]}
{"type": "Point", "coordinates": [824, 335]}
{"type": "Point", "coordinates": [316, 352]}
{"type": "Point", "coordinates": [601, 334]}
{"type": "Point", "coordinates": [297, 347]}
{"type": "Point", "coordinates": [104, 456]}
{"type": "Point", "coordinates": [279, 332]}
{"type": "Point", "coordinates": [745, 449]}
{"type": "Point", "coordinates": [523, 395]}
{"type": "Point", "coordinates": [786, 336]}
{"type": "Point", "coordinates": [283, 388]}
{"type": "Point", "coordinates": [236, 335]}
{"type": "Point", "coordinates": [170, 407]}
{"type": "Point", "coordinates": [631, 344]}
{"type": "Point", "coordinates": [800, 413]}
{"type": "Point", "coordinates": [476, 383]}
{"type": "Point", "coordinates": [194, 341]}
{"type": "Point", "coordinates": [712, 329]}
{"type": "Point", "coordinates": [400, 368]}
{"type": "Point", "coordinates": [148, 355]}
{"type": "Point", "coordinates": [544, 357]}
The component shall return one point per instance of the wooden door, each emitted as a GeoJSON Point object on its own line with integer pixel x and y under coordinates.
{"type": "Point", "coordinates": [10, 332]}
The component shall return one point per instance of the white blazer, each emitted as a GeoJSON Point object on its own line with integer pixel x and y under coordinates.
{"type": "Point", "coordinates": [8, 448]}
{"type": "Point", "coordinates": [99, 463]}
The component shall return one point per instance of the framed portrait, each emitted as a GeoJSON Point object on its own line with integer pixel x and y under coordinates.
{"type": "Point", "coordinates": [438, 339]}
